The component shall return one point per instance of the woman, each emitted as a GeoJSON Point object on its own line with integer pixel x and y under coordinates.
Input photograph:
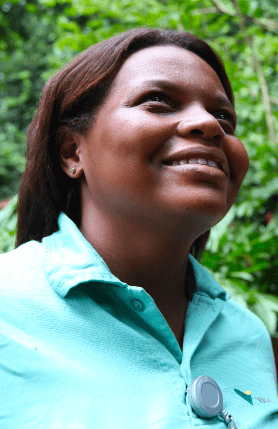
{"type": "Point", "coordinates": [107, 316]}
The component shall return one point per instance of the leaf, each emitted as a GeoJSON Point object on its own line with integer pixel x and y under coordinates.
{"type": "Point", "coordinates": [31, 8]}
{"type": "Point", "coordinates": [243, 275]}
{"type": "Point", "coordinates": [244, 6]}
{"type": "Point", "coordinates": [258, 13]}
{"type": "Point", "coordinates": [8, 211]}
{"type": "Point", "coordinates": [50, 3]}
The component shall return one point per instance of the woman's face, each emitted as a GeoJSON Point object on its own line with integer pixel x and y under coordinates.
{"type": "Point", "coordinates": [166, 105]}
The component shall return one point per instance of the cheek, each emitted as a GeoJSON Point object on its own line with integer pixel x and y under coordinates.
{"type": "Point", "coordinates": [138, 132]}
{"type": "Point", "coordinates": [114, 167]}
{"type": "Point", "coordinates": [238, 160]}
{"type": "Point", "coordinates": [239, 163]}
{"type": "Point", "coordinates": [242, 164]}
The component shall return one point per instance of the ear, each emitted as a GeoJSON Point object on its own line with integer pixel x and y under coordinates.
{"type": "Point", "coordinates": [69, 151]}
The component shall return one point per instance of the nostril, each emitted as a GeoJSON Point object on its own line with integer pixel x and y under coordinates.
{"type": "Point", "coordinates": [218, 136]}
{"type": "Point", "coordinates": [197, 132]}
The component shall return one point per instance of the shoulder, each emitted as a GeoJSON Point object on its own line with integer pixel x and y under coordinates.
{"type": "Point", "coordinates": [27, 299]}
{"type": "Point", "coordinates": [20, 268]}
{"type": "Point", "coordinates": [253, 340]}
{"type": "Point", "coordinates": [243, 318]}
{"type": "Point", "coordinates": [249, 333]}
{"type": "Point", "coordinates": [28, 253]}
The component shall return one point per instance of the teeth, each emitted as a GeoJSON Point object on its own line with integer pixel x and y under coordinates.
{"type": "Point", "coordinates": [196, 161]}
{"type": "Point", "coordinates": [212, 164]}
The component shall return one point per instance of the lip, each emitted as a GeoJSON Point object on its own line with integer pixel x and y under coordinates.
{"type": "Point", "coordinates": [199, 171]}
{"type": "Point", "coordinates": [199, 152]}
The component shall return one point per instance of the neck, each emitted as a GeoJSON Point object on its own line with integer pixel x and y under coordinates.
{"type": "Point", "coordinates": [141, 257]}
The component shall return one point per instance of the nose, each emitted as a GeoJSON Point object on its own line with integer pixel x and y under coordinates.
{"type": "Point", "coordinates": [200, 123]}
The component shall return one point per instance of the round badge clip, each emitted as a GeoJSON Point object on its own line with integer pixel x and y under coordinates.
{"type": "Point", "coordinates": [206, 400]}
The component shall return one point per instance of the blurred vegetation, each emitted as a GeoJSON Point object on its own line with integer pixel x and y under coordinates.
{"type": "Point", "coordinates": [39, 36]}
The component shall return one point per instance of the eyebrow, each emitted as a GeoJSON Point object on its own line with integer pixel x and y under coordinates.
{"type": "Point", "coordinates": [174, 87]}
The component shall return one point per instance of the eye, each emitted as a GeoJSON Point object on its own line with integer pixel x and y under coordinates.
{"type": "Point", "coordinates": [225, 116]}
{"type": "Point", "coordinates": [160, 98]}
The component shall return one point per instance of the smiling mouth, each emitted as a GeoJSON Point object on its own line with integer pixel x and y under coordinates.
{"type": "Point", "coordinates": [198, 161]}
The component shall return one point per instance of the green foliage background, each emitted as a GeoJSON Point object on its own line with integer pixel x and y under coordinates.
{"type": "Point", "coordinates": [39, 36]}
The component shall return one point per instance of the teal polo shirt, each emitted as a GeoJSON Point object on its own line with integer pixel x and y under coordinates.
{"type": "Point", "coordinates": [79, 349]}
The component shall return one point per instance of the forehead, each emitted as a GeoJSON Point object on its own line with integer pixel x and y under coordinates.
{"type": "Point", "coordinates": [173, 63]}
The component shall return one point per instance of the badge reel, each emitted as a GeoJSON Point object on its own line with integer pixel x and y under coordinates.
{"type": "Point", "coordinates": [206, 399]}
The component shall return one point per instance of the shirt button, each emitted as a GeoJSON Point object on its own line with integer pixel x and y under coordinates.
{"type": "Point", "coordinates": [137, 305]}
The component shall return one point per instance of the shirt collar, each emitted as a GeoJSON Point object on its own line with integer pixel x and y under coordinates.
{"type": "Point", "coordinates": [71, 260]}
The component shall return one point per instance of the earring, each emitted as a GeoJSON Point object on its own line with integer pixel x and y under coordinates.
{"type": "Point", "coordinates": [72, 170]}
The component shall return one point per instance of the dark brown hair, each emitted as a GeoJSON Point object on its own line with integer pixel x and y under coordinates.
{"type": "Point", "coordinates": [72, 98]}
